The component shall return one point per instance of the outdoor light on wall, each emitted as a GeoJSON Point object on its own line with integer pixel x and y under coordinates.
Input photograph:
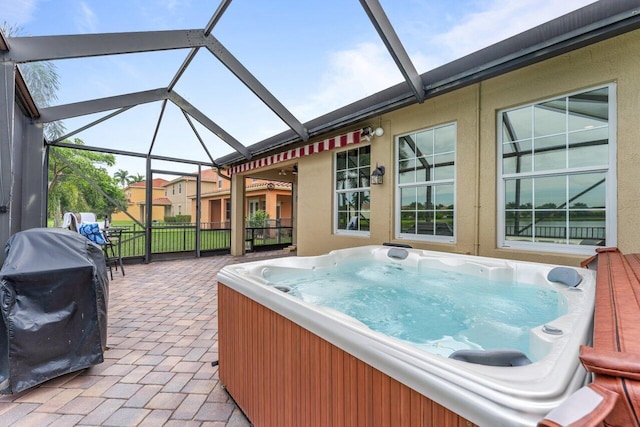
{"type": "Point", "coordinates": [282, 172]}
{"type": "Point", "coordinates": [377, 177]}
{"type": "Point", "coordinates": [368, 132]}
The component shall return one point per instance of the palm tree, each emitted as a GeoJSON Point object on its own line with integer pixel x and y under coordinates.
{"type": "Point", "coordinates": [122, 176]}
{"type": "Point", "coordinates": [136, 178]}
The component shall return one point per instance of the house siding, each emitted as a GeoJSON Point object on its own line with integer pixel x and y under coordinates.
{"type": "Point", "coordinates": [475, 109]}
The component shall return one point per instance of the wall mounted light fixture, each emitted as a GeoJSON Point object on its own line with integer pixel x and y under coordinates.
{"type": "Point", "coordinates": [368, 132]}
{"type": "Point", "coordinates": [377, 176]}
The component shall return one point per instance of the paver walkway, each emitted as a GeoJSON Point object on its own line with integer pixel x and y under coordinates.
{"type": "Point", "coordinates": [162, 338]}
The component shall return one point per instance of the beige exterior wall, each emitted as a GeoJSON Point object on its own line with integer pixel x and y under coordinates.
{"type": "Point", "coordinates": [183, 198]}
{"type": "Point", "coordinates": [474, 110]}
{"type": "Point", "coordinates": [135, 202]}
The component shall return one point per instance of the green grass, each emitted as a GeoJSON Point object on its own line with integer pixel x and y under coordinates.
{"type": "Point", "coordinates": [169, 237]}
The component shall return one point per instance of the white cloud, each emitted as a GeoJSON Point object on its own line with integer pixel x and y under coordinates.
{"type": "Point", "coordinates": [85, 19]}
{"type": "Point", "coordinates": [350, 75]}
{"type": "Point", "coordinates": [368, 68]}
{"type": "Point", "coordinates": [18, 12]}
{"type": "Point", "coordinates": [500, 20]}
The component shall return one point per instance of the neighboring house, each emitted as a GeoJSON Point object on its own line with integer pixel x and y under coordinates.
{"type": "Point", "coordinates": [537, 163]}
{"type": "Point", "coordinates": [181, 190]}
{"type": "Point", "coordinates": [136, 206]}
{"type": "Point", "coordinates": [178, 197]}
{"type": "Point", "coordinates": [274, 197]}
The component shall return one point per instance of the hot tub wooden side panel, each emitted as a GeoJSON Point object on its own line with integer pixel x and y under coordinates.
{"type": "Point", "coordinates": [283, 375]}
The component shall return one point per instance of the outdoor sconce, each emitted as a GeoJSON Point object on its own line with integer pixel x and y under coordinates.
{"type": "Point", "coordinates": [377, 177]}
{"type": "Point", "coordinates": [368, 132]}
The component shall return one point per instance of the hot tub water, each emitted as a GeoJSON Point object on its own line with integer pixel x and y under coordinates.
{"type": "Point", "coordinates": [436, 310]}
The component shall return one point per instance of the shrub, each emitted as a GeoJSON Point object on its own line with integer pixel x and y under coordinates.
{"type": "Point", "coordinates": [258, 219]}
{"type": "Point", "coordinates": [178, 218]}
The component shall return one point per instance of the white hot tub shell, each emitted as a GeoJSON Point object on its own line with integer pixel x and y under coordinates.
{"type": "Point", "coordinates": [485, 395]}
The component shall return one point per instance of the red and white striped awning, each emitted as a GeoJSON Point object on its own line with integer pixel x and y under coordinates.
{"type": "Point", "coordinates": [316, 147]}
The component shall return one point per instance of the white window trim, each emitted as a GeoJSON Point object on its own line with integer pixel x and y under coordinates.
{"type": "Point", "coordinates": [611, 209]}
{"type": "Point", "coordinates": [336, 230]}
{"type": "Point", "coordinates": [426, 237]}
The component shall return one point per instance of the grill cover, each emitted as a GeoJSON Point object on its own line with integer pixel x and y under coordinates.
{"type": "Point", "coordinates": [54, 293]}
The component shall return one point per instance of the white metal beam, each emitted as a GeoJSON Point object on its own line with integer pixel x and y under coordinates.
{"type": "Point", "coordinates": [46, 48]}
{"type": "Point", "coordinates": [60, 112]}
{"type": "Point", "coordinates": [391, 40]}
{"type": "Point", "coordinates": [192, 53]}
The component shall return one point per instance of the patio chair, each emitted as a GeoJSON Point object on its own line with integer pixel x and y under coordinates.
{"type": "Point", "coordinates": [87, 217]}
{"type": "Point", "coordinates": [70, 221]}
{"type": "Point", "coordinates": [113, 250]}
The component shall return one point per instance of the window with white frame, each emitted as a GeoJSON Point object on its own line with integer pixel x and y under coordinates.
{"type": "Point", "coordinates": [352, 197]}
{"type": "Point", "coordinates": [557, 186]}
{"type": "Point", "coordinates": [254, 206]}
{"type": "Point", "coordinates": [425, 179]}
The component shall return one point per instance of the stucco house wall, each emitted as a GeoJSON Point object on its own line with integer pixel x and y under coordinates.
{"type": "Point", "coordinates": [474, 109]}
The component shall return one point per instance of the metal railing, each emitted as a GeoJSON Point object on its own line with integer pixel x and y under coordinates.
{"type": "Point", "coordinates": [214, 236]}
{"type": "Point", "coordinates": [558, 232]}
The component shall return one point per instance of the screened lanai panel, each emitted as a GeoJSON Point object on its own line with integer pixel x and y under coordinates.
{"type": "Point", "coordinates": [315, 56]}
{"type": "Point", "coordinates": [216, 92]}
{"type": "Point", "coordinates": [82, 79]}
{"type": "Point", "coordinates": [131, 130]}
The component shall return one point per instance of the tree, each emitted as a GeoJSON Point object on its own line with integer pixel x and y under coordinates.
{"type": "Point", "coordinates": [122, 177]}
{"type": "Point", "coordinates": [136, 178]}
{"type": "Point", "coordinates": [69, 192]}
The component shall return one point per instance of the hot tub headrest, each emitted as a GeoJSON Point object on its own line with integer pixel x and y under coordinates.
{"type": "Point", "coordinates": [397, 253]}
{"type": "Point", "coordinates": [506, 357]}
{"type": "Point", "coordinates": [566, 275]}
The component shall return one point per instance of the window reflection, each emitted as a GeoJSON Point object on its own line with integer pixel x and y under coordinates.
{"type": "Point", "coordinates": [555, 143]}
{"type": "Point", "coordinates": [426, 175]}
{"type": "Point", "coordinates": [566, 209]}
{"type": "Point", "coordinates": [352, 174]}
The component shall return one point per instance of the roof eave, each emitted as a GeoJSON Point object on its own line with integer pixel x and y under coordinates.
{"type": "Point", "coordinates": [588, 25]}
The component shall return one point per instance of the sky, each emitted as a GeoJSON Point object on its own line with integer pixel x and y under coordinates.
{"type": "Point", "coordinates": [314, 56]}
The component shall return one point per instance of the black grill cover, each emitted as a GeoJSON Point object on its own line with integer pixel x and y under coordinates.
{"type": "Point", "coordinates": [53, 298]}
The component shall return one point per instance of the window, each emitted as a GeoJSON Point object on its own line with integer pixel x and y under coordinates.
{"type": "Point", "coordinates": [425, 200]}
{"type": "Point", "coordinates": [254, 206]}
{"type": "Point", "coordinates": [173, 189]}
{"type": "Point", "coordinates": [165, 192]}
{"type": "Point", "coordinates": [219, 182]}
{"type": "Point", "coordinates": [179, 209]}
{"type": "Point", "coordinates": [557, 173]}
{"type": "Point", "coordinates": [180, 188]}
{"type": "Point", "coordinates": [352, 198]}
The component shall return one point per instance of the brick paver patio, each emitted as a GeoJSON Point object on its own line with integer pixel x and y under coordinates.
{"type": "Point", "coordinates": [162, 338]}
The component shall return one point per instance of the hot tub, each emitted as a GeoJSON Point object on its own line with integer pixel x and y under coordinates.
{"type": "Point", "coordinates": [288, 362]}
